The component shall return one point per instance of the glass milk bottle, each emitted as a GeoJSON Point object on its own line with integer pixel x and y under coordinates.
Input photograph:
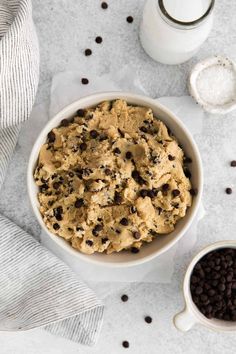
{"type": "Point", "coordinates": [172, 31]}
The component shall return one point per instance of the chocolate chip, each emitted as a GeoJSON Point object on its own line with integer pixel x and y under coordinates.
{"type": "Point", "coordinates": [104, 5]}
{"type": "Point", "coordinates": [233, 163]}
{"type": "Point", "coordinates": [133, 209]}
{"type": "Point", "coordinates": [56, 185]}
{"type": "Point", "coordinates": [89, 243]}
{"type": "Point", "coordinates": [187, 173]}
{"type": "Point", "coordinates": [97, 229]}
{"type": "Point", "coordinates": [175, 193]}
{"type": "Point", "coordinates": [84, 81]}
{"type": "Point", "coordinates": [104, 240]}
{"type": "Point", "coordinates": [124, 222]}
{"type": "Point", "coordinates": [128, 155]}
{"type": "Point", "coordinates": [64, 123]}
{"type": "Point", "coordinates": [136, 235]}
{"type": "Point", "coordinates": [44, 187]}
{"type": "Point", "coordinates": [57, 213]}
{"type": "Point", "coordinates": [193, 192]}
{"type": "Point", "coordinates": [118, 231]}
{"type": "Point", "coordinates": [188, 159]}
{"type": "Point", "coordinates": [143, 193]}
{"type": "Point", "coordinates": [94, 134]}
{"type": "Point", "coordinates": [129, 19]}
{"type": "Point", "coordinates": [79, 203]}
{"type": "Point", "coordinates": [228, 190]}
{"type": "Point", "coordinates": [171, 158]}
{"type": "Point", "coordinates": [153, 233]}
{"type": "Point", "coordinates": [117, 151]}
{"type": "Point", "coordinates": [143, 129]}
{"type": "Point", "coordinates": [98, 39]}
{"type": "Point", "coordinates": [148, 319]}
{"type": "Point", "coordinates": [56, 226]}
{"type": "Point", "coordinates": [165, 187]}
{"type": "Point", "coordinates": [83, 146]}
{"type": "Point", "coordinates": [124, 298]}
{"type": "Point", "coordinates": [117, 198]}
{"type": "Point", "coordinates": [87, 52]}
{"type": "Point", "coordinates": [151, 194]}
{"type": "Point", "coordinates": [81, 112]}
{"type": "Point", "coordinates": [51, 137]}
{"type": "Point", "coordinates": [134, 250]}
{"type": "Point", "coordinates": [125, 344]}
{"type": "Point", "coordinates": [108, 172]}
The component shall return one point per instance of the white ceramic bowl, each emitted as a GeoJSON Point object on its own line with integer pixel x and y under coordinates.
{"type": "Point", "coordinates": [190, 316]}
{"type": "Point", "coordinates": [162, 243]}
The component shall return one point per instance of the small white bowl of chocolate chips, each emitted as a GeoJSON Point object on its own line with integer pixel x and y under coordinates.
{"type": "Point", "coordinates": [210, 289]}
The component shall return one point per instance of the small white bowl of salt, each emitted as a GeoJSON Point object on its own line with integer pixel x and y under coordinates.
{"type": "Point", "coordinates": [212, 83]}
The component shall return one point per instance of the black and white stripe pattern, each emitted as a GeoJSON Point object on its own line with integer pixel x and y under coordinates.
{"type": "Point", "coordinates": [36, 288]}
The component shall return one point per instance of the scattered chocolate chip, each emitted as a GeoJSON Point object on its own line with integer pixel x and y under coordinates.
{"type": "Point", "coordinates": [104, 5]}
{"type": "Point", "coordinates": [108, 172]}
{"type": "Point", "coordinates": [228, 190]}
{"type": "Point", "coordinates": [124, 222]}
{"type": "Point", "coordinates": [143, 129]}
{"type": "Point", "coordinates": [143, 193]}
{"type": "Point", "coordinates": [98, 39]}
{"type": "Point", "coordinates": [124, 298]}
{"type": "Point", "coordinates": [57, 213]}
{"type": "Point", "coordinates": [129, 19]}
{"type": "Point", "coordinates": [84, 81]}
{"type": "Point", "coordinates": [79, 203]}
{"type": "Point", "coordinates": [56, 185]}
{"type": "Point", "coordinates": [117, 151]}
{"type": "Point", "coordinates": [64, 123]}
{"type": "Point", "coordinates": [148, 319]}
{"type": "Point", "coordinates": [128, 155]}
{"type": "Point", "coordinates": [94, 134]}
{"type": "Point", "coordinates": [171, 158]}
{"type": "Point", "coordinates": [136, 235]}
{"type": "Point", "coordinates": [133, 210]}
{"type": "Point", "coordinates": [175, 193]}
{"type": "Point", "coordinates": [118, 231]}
{"type": "Point", "coordinates": [81, 112]}
{"type": "Point", "coordinates": [134, 250]}
{"type": "Point", "coordinates": [125, 344]}
{"type": "Point", "coordinates": [51, 137]}
{"type": "Point", "coordinates": [89, 243]}
{"type": "Point", "coordinates": [233, 163]}
{"type": "Point", "coordinates": [56, 226]}
{"type": "Point", "coordinates": [83, 146]}
{"type": "Point", "coordinates": [87, 52]}
{"type": "Point", "coordinates": [104, 240]}
{"type": "Point", "coordinates": [117, 198]}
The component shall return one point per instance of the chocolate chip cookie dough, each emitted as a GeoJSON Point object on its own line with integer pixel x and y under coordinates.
{"type": "Point", "coordinates": [112, 179]}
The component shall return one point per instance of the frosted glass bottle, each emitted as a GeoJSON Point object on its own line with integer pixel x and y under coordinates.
{"type": "Point", "coordinates": [172, 31]}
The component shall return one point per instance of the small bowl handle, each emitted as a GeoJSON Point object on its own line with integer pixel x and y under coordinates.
{"type": "Point", "coordinates": [184, 320]}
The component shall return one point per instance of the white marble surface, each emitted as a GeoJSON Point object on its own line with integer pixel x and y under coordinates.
{"type": "Point", "coordinates": [65, 28]}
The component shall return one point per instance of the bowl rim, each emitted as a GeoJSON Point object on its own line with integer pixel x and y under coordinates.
{"type": "Point", "coordinates": [99, 97]}
{"type": "Point", "coordinates": [217, 325]}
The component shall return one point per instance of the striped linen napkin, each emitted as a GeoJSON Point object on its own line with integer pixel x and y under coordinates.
{"type": "Point", "coordinates": [36, 288]}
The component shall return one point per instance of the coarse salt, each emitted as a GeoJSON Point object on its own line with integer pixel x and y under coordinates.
{"type": "Point", "coordinates": [216, 85]}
